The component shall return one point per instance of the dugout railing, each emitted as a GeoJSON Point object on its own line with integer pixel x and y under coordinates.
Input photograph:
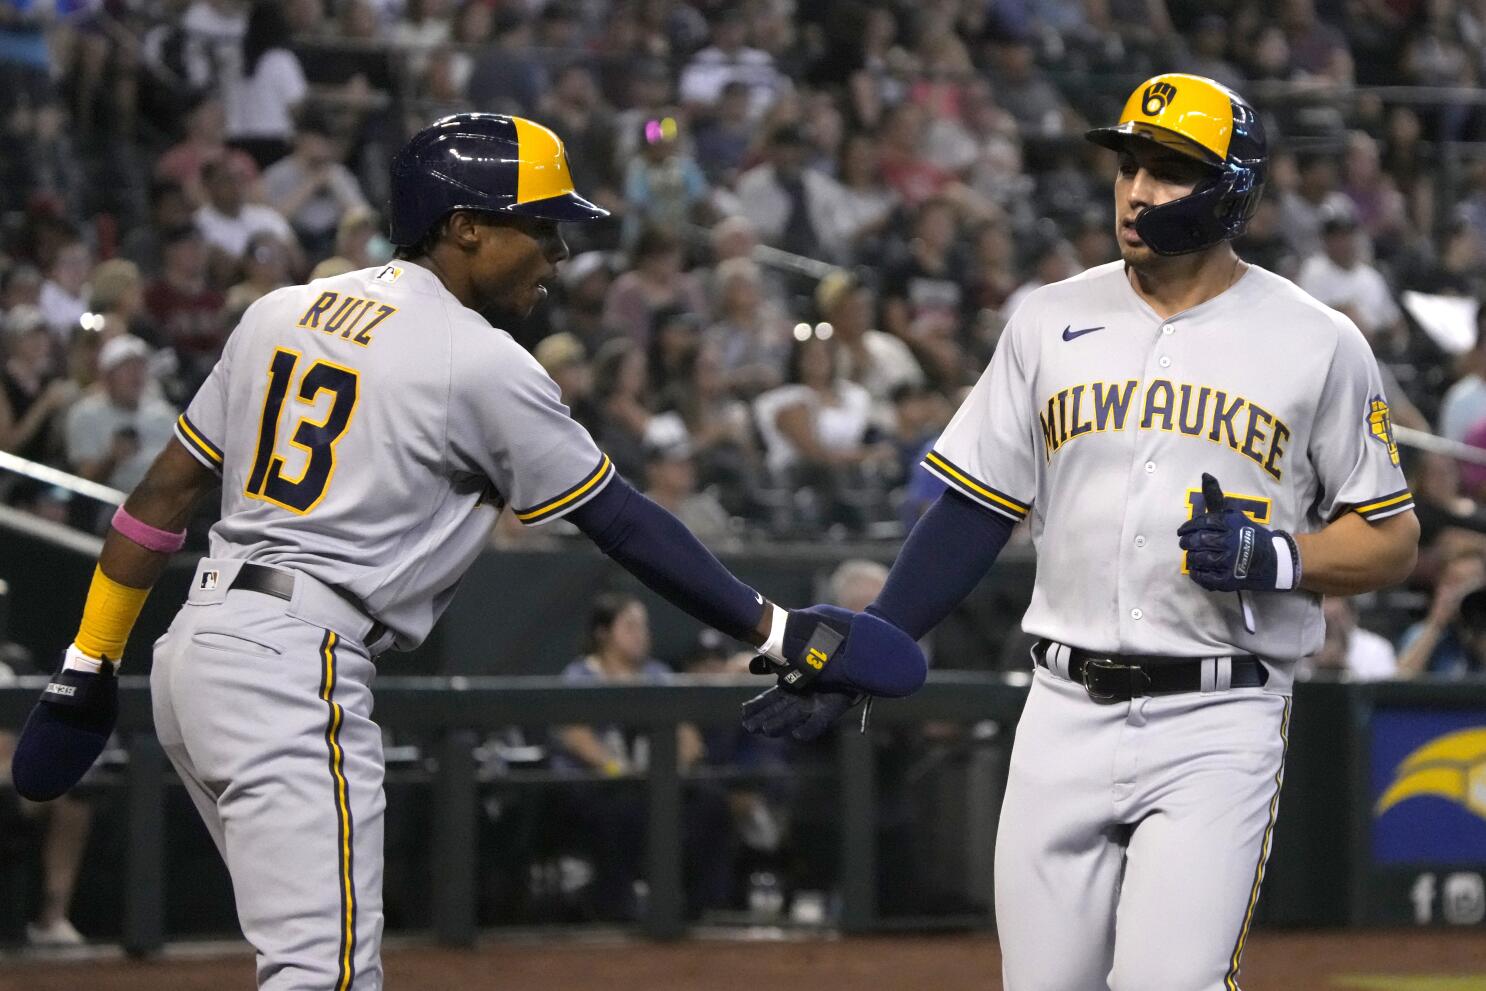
{"type": "Point", "coordinates": [1332, 864]}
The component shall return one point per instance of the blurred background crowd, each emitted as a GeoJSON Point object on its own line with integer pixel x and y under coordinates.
{"type": "Point", "coordinates": [823, 214]}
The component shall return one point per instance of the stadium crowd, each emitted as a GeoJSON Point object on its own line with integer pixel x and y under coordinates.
{"type": "Point", "coordinates": [823, 214]}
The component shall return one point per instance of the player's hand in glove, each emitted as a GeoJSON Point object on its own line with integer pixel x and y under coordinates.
{"type": "Point", "coordinates": [1228, 552]}
{"type": "Point", "coordinates": [67, 730]}
{"type": "Point", "coordinates": [830, 659]}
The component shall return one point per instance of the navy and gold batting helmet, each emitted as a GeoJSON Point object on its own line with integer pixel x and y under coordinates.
{"type": "Point", "coordinates": [488, 162]}
{"type": "Point", "coordinates": [1209, 122]}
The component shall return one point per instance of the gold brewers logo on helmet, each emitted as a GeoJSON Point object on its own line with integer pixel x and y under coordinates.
{"type": "Point", "coordinates": [1207, 121]}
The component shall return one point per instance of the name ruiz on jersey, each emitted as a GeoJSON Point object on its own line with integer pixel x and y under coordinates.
{"type": "Point", "coordinates": [1201, 411]}
{"type": "Point", "coordinates": [348, 314]}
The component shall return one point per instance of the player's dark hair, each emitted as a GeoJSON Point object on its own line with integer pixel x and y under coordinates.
{"type": "Point", "coordinates": [606, 608]}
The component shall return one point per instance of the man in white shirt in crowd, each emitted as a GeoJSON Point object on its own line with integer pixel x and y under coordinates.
{"type": "Point", "coordinates": [875, 360]}
{"type": "Point", "coordinates": [228, 223]}
{"type": "Point", "coordinates": [1350, 652]}
{"type": "Point", "coordinates": [311, 188]}
{"type": "Point", "coordinates": [64, 294]}
{"type": "Point", "coordinates": [794, 207]}
{"type": "Point", "coordinates": [1340, 276]}
{"type": "Point", "coordinates": [729, 59]}
{"type": "Point", "coordinates": [115, 432]}
{"type": "Point", "coordinates": [1464, 404]}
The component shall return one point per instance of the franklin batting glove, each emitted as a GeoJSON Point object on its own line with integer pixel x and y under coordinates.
{"type": "Point", "coordinates": [1228, 552]}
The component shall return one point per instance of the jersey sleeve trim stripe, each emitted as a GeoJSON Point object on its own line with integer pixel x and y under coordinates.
{"type": "Point", "coordinates": [205, 451]}
{"type": "Point", "coordinates": [946, 470]}
{"type": "Point", "coordinates": [570, 499]}
{"type": "Point", "coordinates": [1389, 505]}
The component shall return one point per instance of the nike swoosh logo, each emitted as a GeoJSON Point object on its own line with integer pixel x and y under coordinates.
{"type": "Point", "coordinates": [1069, 333]}
{"type": "Point", "coordinates": [760, 598]}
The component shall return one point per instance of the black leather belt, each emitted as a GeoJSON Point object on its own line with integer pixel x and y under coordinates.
{"type": "Point", "coordinates": [280, 585]}
{"type": "Point", "coordinates": [1121, 677]}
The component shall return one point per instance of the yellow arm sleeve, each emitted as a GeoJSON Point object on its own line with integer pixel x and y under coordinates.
{"type": "Point", "coordinates": [108, 616]}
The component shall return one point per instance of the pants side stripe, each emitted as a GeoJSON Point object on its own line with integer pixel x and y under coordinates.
{"type": "Point", "coordinates": [1230, 980]}
{"type": "Point", "coordinates": [345, 827]}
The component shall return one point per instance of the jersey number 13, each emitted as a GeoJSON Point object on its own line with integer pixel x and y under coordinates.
{"type": "Point", "coordinates": [267, 480]}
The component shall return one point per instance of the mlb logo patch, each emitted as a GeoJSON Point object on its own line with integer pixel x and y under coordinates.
{"type": "Point", "coordinates": [389, 273]}
{"type": "Point", "coordinates": [209, 580]}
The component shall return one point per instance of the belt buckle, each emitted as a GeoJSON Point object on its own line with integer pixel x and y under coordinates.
{"type": "Point", "coordinates": [1135, 680]}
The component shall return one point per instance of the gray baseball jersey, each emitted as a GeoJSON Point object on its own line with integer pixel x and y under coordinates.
{"type": "Point", "coordinates": [369, 427]}
{"type": "Point", "coordinates": [1096, 419]}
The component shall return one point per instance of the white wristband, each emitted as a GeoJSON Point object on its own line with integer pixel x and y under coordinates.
{"type": "Point", "coordinates": [773, 647]}
{"type": "Point", "coordinates": [76, 660]}
{"type": "Point", "coordinates": [1286, 568]}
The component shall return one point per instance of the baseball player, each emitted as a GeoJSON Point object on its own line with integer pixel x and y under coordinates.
{"type": "Point", "coordinates": [1170, 608]}
{"type": "Point", "coordinates": [366, 430]}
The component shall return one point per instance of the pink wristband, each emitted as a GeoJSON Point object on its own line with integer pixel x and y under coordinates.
{"type": "Point", "coordinates": [151, 538]}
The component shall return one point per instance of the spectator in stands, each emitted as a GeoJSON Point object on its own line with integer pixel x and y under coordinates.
{"type": "Point", "coordinates": [1464, 405]}
{"type": "Point", "coordinates": [1317, 49]}
{"type": "Point", "coordinates": [991, 275]}
{"type": "Point", "coordinates": [115, 432]}
{"type": "Point", "coordinates": [33, 396]}
{"type": "Point", "coordinates": [1265, 242]}
{"type": "Point", "coordinates": [646, 83]}
{"type": "Point", "coordinates": [874, 360]}
{"type": "Point", "coordinates": [729, 59]}
{"type": "Point", "coordinates": [817, 429]}
{"type": "Point", "coordinates": [263, 94]}
{"type": "Point", "coordinates": [719, 429]}
{"type": "Point", "coordinates": [867, 201]}
{"type": "Point", "coordinates": [1451, 639]}
{"type": "Point", "coordinates": [663, 186]}
{"type": "Point", "coordinates": [64, 294]}
{"type": "Point", "coordinates": [925, 288]}
{"type": "Point", "coordinates": [170, 210]}
{"type": "Point", "coordinates": [359, 243]}
{"type": "Point", "coordinates": [1411, 163]}
{"type": "Point", "coordinates": [1379, 206]}
{"type": "Point", "coordinates": [903, 144]}
{"type": "Point", "coordinates": [621, 411]}
{"type": "Point", "coordinates": [1349, 651]}
{"type": "Point", "coordinates": [265, 268]}
{"type": "Point", "coordinates": [311, 188]}
{"type": "Point", "coordinates": [118, 299]}
{"type": "Point", "coordinates": [20, 285]}
{"type": "Point", "coordinates": [1340, 277]}
{"type": "Point", "coordinates": [725, 137]}
{"type": "Point", "coordinates": [227, 223]}
{"type": "Point", "coordinates": [186, 310]}
{"type": "Point", "coordinates": [750, 334]}
{"type": "Point", "coordinates": [423, 27]}
{"type": "Point", "coordinates": [585, 279]}
{"type": "Point", "coordinates": [1313, 196]}
{"type": "Point", "coordinates": [655, 280]}
{"type": "Point", "coordinates": [507, 77]}
{"type": "Point", "coordinates": [671, 481]}
{"type": "Point", "coordinates": [64, 841]}
{"type": "Point", "coordinates": [612, 817]}
{"type": "Point", "coordinates": [565, 360]}
{"type": "Point", "coordinates": [1024, 89]}
{"type": "Point", "coordinates": [205, 141]}
{"type": "Point", "coordinates": [675, 335]}
{"type": "Point", "coordinates": [1209, 52]}
{"type": "Point", "coordinates": [1053, 260]}
{"type": "Point", "coordinates": [574, 108]}
{"type": "Point", "coordinates": [791, 206]}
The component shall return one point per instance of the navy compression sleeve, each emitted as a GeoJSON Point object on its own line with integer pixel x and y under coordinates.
{"type": "Point", "coordinates": [658, 549]}
{"type": "Point", "coordinates": [950, 550]}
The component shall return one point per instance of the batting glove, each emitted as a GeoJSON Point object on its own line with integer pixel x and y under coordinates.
{"type": "Point", "coordinates": [67, 729]}
{"type": "Point", "coordinates": [1228, 552]}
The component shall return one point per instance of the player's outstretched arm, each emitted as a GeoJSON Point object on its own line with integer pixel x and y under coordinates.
{"type": "Point", "coordinates": [860, 653]}
{"type": "Point", "coordinates": [950, 550]}
{"type": "Point", "coordinates": [75, 716]}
